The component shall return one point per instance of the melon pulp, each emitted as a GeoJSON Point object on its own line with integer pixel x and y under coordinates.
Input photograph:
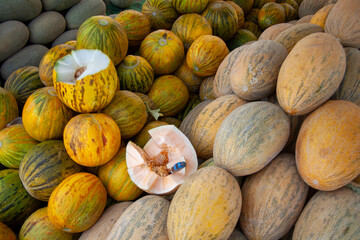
{"type": "Point", "coordinates": [85, 80]}
{"type": "Point", "coordinates": [149, 168]}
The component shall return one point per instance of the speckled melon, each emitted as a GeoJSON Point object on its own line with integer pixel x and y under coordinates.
{"type": "Point", "coordinates": [8, 106]}
{"type": "Point", "coordinates": [161, 13]}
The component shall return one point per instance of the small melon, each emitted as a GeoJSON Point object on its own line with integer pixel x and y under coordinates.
{"type": "Point", "coordinates": [151, 168]}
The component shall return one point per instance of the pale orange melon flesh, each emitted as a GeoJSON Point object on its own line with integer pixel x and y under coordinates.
{"type": "Point", "coordinates": [149, 168]}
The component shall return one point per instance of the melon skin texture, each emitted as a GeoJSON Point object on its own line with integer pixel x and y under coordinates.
{"type": "Point", "coordinates": [343, 22]}
{"type": "Point", "coordinates": [330, 215]}
{"type": "Point", "coordinates": [19, 36]}
{"type": "Point", "coordinates": [148, 167]}
{"type": "Point", "coordinates": [272, 199]}
{"type": "Point", "coordinates": [326, 147]}
{"type": "Point", "coordinates": [250, 137]}
{"type": "Point", "coordinates": [206, 206]}
{"type": "Point", "coordinates": [310, 74]}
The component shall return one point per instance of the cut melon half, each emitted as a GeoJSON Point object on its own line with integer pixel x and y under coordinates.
{"type": "Point", "coordinates": [150, 168]}
{"type": "Point", "coordinates": [85, 80]}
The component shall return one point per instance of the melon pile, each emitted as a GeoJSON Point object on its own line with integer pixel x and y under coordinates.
{"type": "Point", "coordinates": [185, 120]}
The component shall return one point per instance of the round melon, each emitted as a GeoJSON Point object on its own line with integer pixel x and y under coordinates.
{"type": "Point", "coordinates": [152, 168]}
{"type": "Point", "coordinates": [270, 14]}
{"type": "Point", "coordinates": [15, 142]}
{"type": "Point", "coordinates": [190, 6]}
{"type": "Point", "coordinates": [23, 82]}
{"type": "Point", "coordinates": [48, 61]}
{"type": "Point", "coordinates": [92, 140]}
{"type": "Point", "coordinates": [161, 13]}
{"type": "Point", "coordinates": [239, 12]}
{"type": "Point", "coordinates": [189, 27]}
{"type": "Point", "coordinates": [8, 107]}
{"type": "Point", "coordinates": [205, 194]}
{"type": "Point", "coordinates": [135, 74]}
{"type": "Point", "coordinates": [250, 137]}
{"type": "Point", "coordinates": [44, 115]}
{"type": "Point", "coordinates": [105, 34]}
{"type": "Point", "coordinates": [77, 203]}
{"type": "Point", "coordinates": [38, 226]}
{"type": "Point", "coordinates": [191, 80]}
{"type": "Point", "coordinates": [246, 5]}
{"type": "Point", "coordinates": [163, 50]}
{"type": "Point", "coordinates": [170, 94]}
{"type": "Point", "coordinates": [206, 54]}
{"type": "Point", "coordinates": [129, 112]}
{"type": "Point", "coordinates": [116, 179]}
{"type": "Point", "coordinates": [85, 80]}
{"type": "Point", "coordinates": [206, 91]}
{"type": "Point", "coordinates": [194, 100]}
{"type": "Point", "coordinates": [44, 167]}
{"type": "Point", "coordinates": [326, 154]}
{"type": "Point", "coordinates": [136, 25]}
{"type": "Point", "coordinates": [223, 19]}
{"type": "Point", "coordinates": [241, 37]}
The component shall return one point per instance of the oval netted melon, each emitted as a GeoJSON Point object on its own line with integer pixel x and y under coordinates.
{"type": "Point", "coordinates": [272, 199]}
{"type": "Point", "coordinates": [103, 226]}
{"type": "Point", "coordinates": [80, 211]}
{"type": "Point", "coordinates": [23, 82]}
{"type": "Point", "coordinates": [19, 36]}
{"type": "Point", "coordinates": [38, 226]}
{"type": "Point", "coordinates": [330, 215]}
{"type": "Point", "coordinates": [189, 27]}
{"type": "Point", "coordinates": [83, 10]}
{"type": "Point", "coordinates": [85, 80]}
{"type": "Point", "coordinates": [272, 32]}
{"type": "Point", "coordinates": [44, 167]}
{"type": "Point", "coordinates": [92, 139]}
{"type": "Point", "coordinates": [46, 27]}
{"type": "Point", "coordinates": [170, 94]}
{"type": "Point", "coordinates": [150, 168]}
{"type": "Point", "coordinates": [311, 73]}
{"type": "Point", "coordinates": [30, 55]}
{"type": "Point", "coordinates": [116, 179]}
{"type": "Point", "coordinates": [9, 109]}
{"type": "Point", "coordinates": [206, 206]}
{"type": "Point", "coordinates": [163, 50]}
{"type": "Point", "coordinates": [44, 115]}
{"type": "Point", "coordinates": [143, 219]}
{"type": "Point", "coordinates": [129, 112]}
{"type": "Point", "coordinates": [250, 137]}
{"type": "Point", "coordinates": [262, 61]}
{"type": "Point", "coordinates": [48, 61]}
{"type": "Point", "coordinates": [15, 142]}
{"type": "Point", "coordinates": [105, 34]}
{"type": "Point", "coordinates": [161, 13]}
{"type": "Point", "coordinates": [22, 10]}
{"type": "Point", "coordinates": [326, 155]}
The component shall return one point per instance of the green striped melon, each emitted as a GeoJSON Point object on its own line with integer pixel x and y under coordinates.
{"type": "Point", "coordinates": [170, 94]}
{"type": "Point", "coordinates": [206, 90]}
{"type": "Point", "coordinates": [261, 3]}
{"type": "Point", "coordinates": [9, 109]}
{"type": "Point", "coordinates": [239, 12]}
{"type": "Point", "coordinates": [44, 167]}
{"type": "Point", "coordinates": [15, 142]}
{"type": "Point", "coordinates": [191, 80]}
{"type": "Point", "coordinates": [252, 16]}
{"type": "Point", "coordinates": [16, 203]}
{"type": "Point", "coordinates": [250, 137]}
{"type": "Point", "coordinates": [290, 12]}
{"type": "Point", "coordinates": [143, 136]}
{"type": "Point", "coordinates": [105, 34]}
{"type": "Point", "coordinates": [135, 74]}
{"type": "Point", "coordinates": [253, 27]}
{"type": "Point", "coordinates": [246, 5]}
{"type": "Point", "coordinates": [206, 206]}
{"type": "Point", "coordinates": [116, 179]}
{"type": "Point", "coordinates": [190, 6]}
{"type": "Point", "coordinates": [38, 226]}
{"type": "Point", "coordinates": [23, 82]}
{"type": "Point", "coordinates": [222, 18]}
{"type": "Point", "coordinates": [241, 37]}
{"type": "Point", "coordinates": [129, 112]}
{"type": "Point", "coordinates": [161, 13]}
{"type": "Point", "coordinates": [270, 14]}
{"type": "Point", "coordinates": [144, 219]}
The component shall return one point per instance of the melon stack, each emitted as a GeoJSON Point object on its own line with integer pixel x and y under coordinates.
{"type": "Point", "coordinates": [185, 120]}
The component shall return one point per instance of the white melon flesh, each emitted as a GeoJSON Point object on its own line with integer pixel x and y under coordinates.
{"type": "Point", "coordinates": [167, 146]}
{"type": "Point", "coordinates": [82, 62]}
